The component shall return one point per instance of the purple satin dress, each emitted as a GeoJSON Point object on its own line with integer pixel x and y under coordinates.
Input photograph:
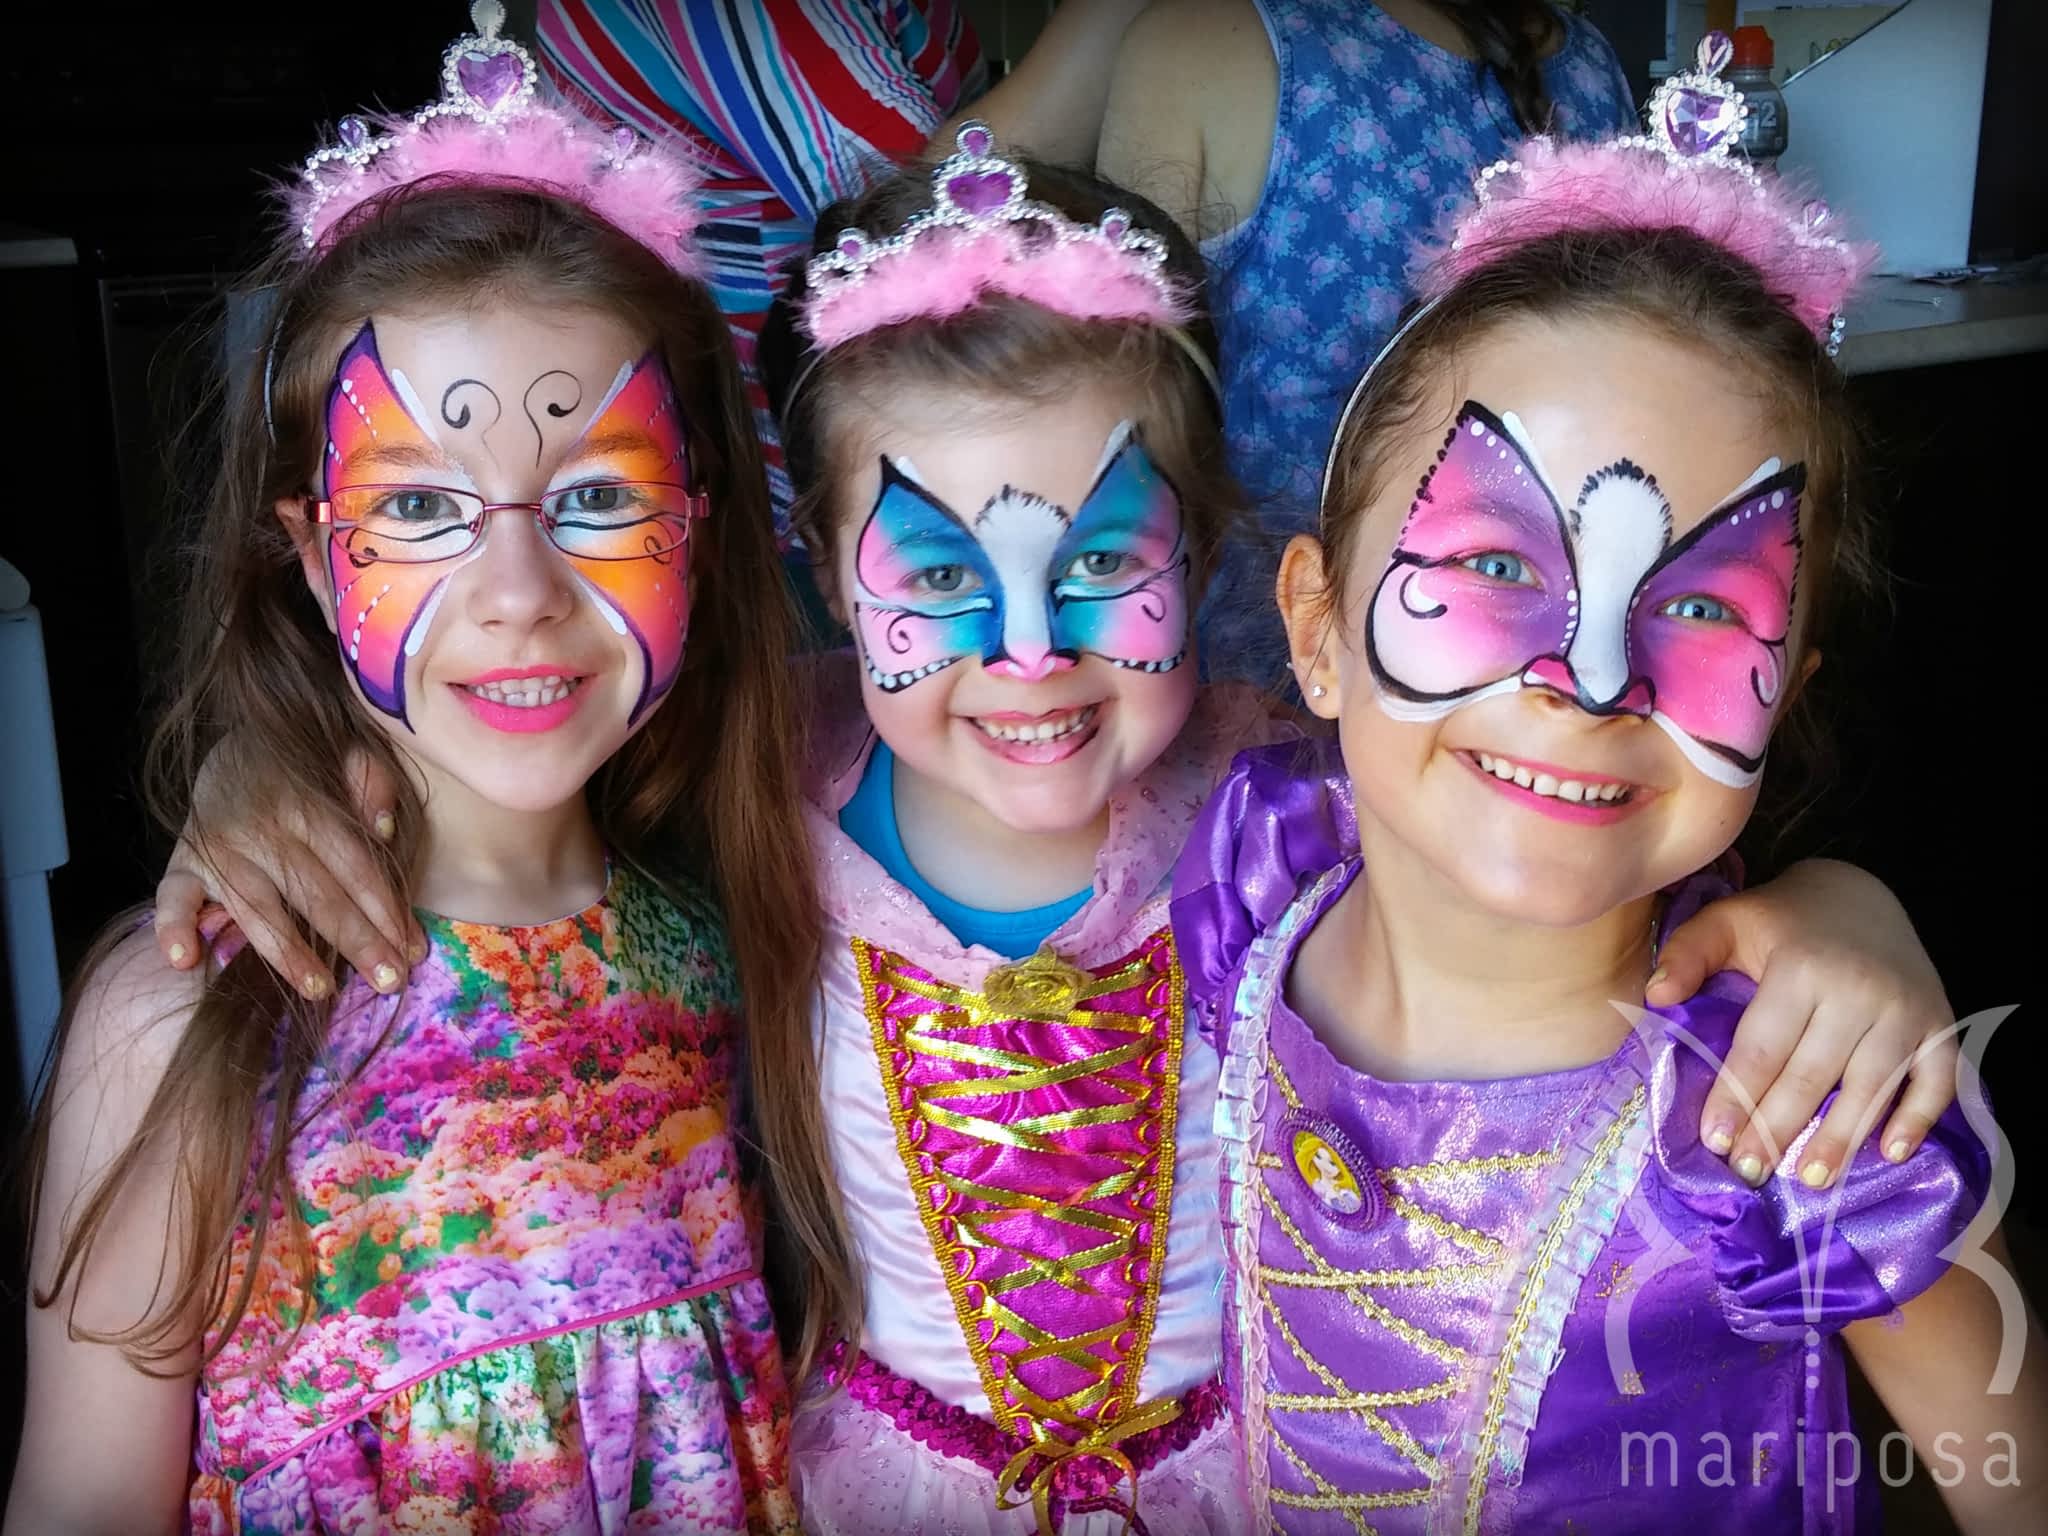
{"type": "Point", "coordinates": [1533, 1303]}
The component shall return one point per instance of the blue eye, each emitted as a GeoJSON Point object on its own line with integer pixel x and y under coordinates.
{"type": "Point", "coordinates": [1698, 607]}
{"type": "Point", "coordinates": [1499, 565]}
{"type": "Point", "coordinates": [944, 580]}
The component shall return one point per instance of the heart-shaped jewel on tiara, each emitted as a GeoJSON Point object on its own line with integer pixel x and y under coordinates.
{"type": "Point", "coordinates": [1698, 113]}
{"type": "Point", "coordinates": [486, 76]}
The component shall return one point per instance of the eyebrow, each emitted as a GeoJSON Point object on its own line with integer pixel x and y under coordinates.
{"type": "Point", "coordinates": [396, 456]}
{"type": "Point", "coordinates": [620, 440]}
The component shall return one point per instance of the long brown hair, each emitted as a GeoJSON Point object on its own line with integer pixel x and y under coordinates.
{"type": "Point", "coordinates": [708, 787]}
{"type": "Point", "coordinates": [1003, 349]}
{"type": "Point", "coordinates": [1695, 292]}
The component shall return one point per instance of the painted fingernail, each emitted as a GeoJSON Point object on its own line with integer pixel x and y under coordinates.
{"type": "Point", "coordinates": [1720, 1137]}
{"type": "Point", "coordinates": [1899, 1150]}
{"type": "Point", "coordinates": [387, 825]}
{"type": "Point", "coordinates": [177, 954]}
{"type": "Point", "coordinates": [385, 977]}
{"type": "Point", "coordinates": [316, 985]}
{"type": "Point", "coordinates": [1750, 1167]}
{"type": "Point", "coordinates": [1657, 976]}
{"type": "Point", "coordinates": [1815, 1175]}
{"type": "Point", "coordinates": [417, 951]}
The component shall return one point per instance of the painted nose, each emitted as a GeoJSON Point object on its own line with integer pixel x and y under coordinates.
{"type": "Point", "coordinates": [1633, 699]}
{"type": "Point", "coordinates": [1029, 665]}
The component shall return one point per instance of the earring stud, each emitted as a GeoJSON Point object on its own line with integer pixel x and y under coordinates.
{"type": "Point", "coordinates": [1318, 691]}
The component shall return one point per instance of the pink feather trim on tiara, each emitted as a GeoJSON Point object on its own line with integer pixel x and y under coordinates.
{"type": "Point", "coordinates": [489, 129]}
{"type": "Point", "coordinates": [1549, 188]}
{"type": "Point", "coordinates": [950, 271]}
{"type": "Point", "coordinates": [982, 235]}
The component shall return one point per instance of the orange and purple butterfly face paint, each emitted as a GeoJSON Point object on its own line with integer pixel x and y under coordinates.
{"type": "Point", "coordinates": [1024, 584]}
{"type": "Point", "coordinates": [378, 432]}
{"type": "Point", "coordinates": [1496, 585]}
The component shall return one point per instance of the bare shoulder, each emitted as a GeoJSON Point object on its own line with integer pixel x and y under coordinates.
{"type": "Point", "coordinates": [127, 1022]}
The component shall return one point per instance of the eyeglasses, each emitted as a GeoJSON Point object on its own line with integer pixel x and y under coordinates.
{"type": "Point", "coordinates": [416, 524]}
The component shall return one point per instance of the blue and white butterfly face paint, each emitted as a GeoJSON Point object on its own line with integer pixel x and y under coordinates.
{"type": "Point", "coordinates": [1024, 584]}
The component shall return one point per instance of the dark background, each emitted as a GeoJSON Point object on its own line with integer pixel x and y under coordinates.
{"type": "Point", "coordinates": [148, 145]}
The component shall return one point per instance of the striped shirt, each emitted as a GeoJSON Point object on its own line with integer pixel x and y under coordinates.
{"type": "Point", "coordinates": [787, 104]}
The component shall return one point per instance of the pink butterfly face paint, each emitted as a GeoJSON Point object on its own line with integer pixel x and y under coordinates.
{"type": "Point", "coordinates": [1024, 584]}
{"type": "Point", "coordinates": [378, 433]}
{"type": "Point", "coordinates": [1496, 585]}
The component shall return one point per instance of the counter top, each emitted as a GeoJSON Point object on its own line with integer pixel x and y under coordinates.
{"type": "Point", "coordinates": [1900, 323]}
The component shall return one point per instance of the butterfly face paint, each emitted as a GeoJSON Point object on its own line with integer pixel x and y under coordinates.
{"type": "Point", "coordinates": [378, 429]}
{"type": "Point", "coordinates": [1023, 584]}
{"type": "Point", "coordinates": [1495, 585]}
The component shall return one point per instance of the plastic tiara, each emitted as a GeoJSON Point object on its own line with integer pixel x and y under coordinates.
{"type": "Point", "coordinates": [1682, 173]}
{"type": "Point", "coordinates": [489, 129]}
{"type": "Point", "coordinates": [983, 235]}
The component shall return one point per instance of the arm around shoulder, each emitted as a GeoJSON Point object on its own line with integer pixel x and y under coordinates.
{"type": "Point", "coordinates": [89, 1407]}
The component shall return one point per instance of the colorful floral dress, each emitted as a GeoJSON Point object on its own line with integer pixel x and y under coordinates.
{"type": "Point", "coordinates": [535, 1303]}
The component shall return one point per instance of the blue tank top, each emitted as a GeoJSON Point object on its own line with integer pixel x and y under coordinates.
{"type": "Point", "coordinates": [1377, 136]}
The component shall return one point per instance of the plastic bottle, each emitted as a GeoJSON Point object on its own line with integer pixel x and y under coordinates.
{"type": "Point", "coordinates": [1763, 131]}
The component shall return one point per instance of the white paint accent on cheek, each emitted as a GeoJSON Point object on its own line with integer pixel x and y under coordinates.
{"type": "Point", "coordinates": [1019, 535]}
{"type": "Point", "coordinates": [1412, 711]}
{"type": "Point", "coordinates": [414, 406]}
{"type": "Point", "coordinates": [908, 471]}
{"type": "Point", "coordinates": [1623, 526]}
{"type": "Point", "coordinates": [612, 616]}
{"type": "Point", "coordinates": [1712, 764]}
{"type": "Point", "coordinates": [417, 637]}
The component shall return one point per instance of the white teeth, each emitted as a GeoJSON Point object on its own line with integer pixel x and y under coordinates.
{"type": "Point", "coordinates": [525, 692]}
{"type": "Point", "coordinates": [1575, 790]}
{"type": "Point", "coordinates": [1039, 730]}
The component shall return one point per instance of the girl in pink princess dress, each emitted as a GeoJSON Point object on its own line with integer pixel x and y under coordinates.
{"type": "Point", "coordinates": [992, 1140]}
{"type": "Point", "coordinates": [471, 1254]}
{"type": "Point", "coordinates": [1485, 1274]}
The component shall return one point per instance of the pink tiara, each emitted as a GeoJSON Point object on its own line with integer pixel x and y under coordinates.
{"type": "Point", "coordinates": [1680, 174]}
{"type": "Point", "coordinates": [489, 129]}
{"type": "Point", "coordinates": [982, 235]}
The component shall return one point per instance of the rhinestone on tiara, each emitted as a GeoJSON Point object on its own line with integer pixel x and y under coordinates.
{"type": "Point", "coordinates": [484, 77]}
{"type": "Point", "coordinates": [1682, 171]}
{"type": "Point", "coordinates": [999, 239]}
{"type": "Point", "coordinates": [491, 126]}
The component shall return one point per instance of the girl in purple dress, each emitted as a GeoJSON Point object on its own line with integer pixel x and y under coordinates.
{"type": "Point", "coordinates": [1580, 527]}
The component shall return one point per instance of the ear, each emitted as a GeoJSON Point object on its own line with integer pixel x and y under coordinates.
{"type": "Point", "coordinates": [1808, 665]}
{"type": "Point", "coordinates": [310, 541]}
{"type": "Point", "coordinates": [1302, 590]}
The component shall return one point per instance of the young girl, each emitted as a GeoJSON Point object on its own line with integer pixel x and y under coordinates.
{"type": "Point", "coordinates": [1483, 1274]}
{"type": "Point", "coordinates": [472, 1255]}
{"type": "Point", "coordinates": [992, 1146]}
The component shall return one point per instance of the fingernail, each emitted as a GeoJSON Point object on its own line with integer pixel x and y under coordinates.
{"type": "Point", "coordinates": [1656, 976]}
{"type": "Point", "coordinates": [1750, 1167]}
{"type": "Point", "coordinates": [385, 977]}
{"type": "Point", "coordinates": [316, 985]}
{"type": "Point", "coordinates": [417, 951]}
{"type": "Point", "coordinates": [1899, 1150]}
{"type": "Point", "coordinates": [1815, 1175]}
{"type": "Point", "coordinates": [177, 954]}
{"type": "Point", "coordinates": [387, 825]}
{"type": "Point", "coordinates": [1720, 1137]}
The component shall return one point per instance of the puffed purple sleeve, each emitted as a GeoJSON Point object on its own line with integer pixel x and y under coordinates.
{"type": "Point", "coordinates": [1282, 814]}
{"type": "Point", "coordinates": [1787, 1258]}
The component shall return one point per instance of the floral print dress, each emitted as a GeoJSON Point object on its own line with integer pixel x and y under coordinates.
{"type": "Point", "coordinates": [535, 1302]}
